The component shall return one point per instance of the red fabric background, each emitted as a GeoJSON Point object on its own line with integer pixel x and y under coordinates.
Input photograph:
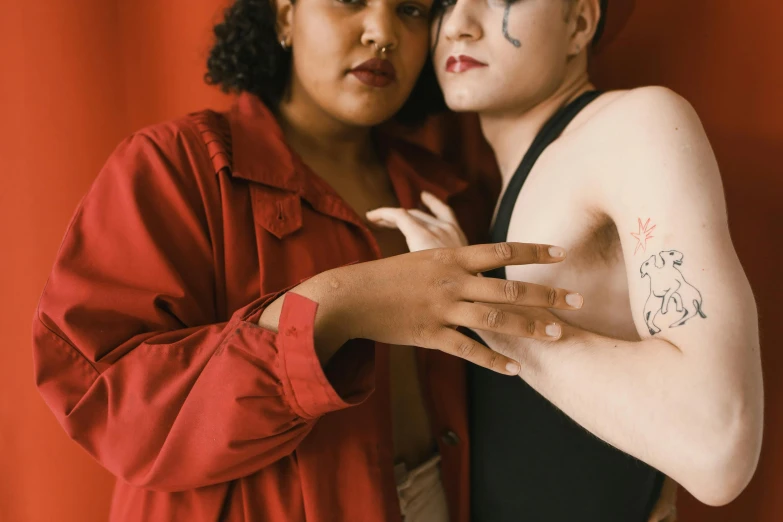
{"type": "Point", "coordinates": [77, 77]}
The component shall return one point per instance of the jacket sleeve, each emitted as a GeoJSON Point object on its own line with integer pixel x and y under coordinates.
{"type": "Point", "coordinates": [129, 352]}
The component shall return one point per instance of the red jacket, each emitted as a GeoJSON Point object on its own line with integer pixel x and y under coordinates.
{"type": "Point", "coordinates": [147, 350]}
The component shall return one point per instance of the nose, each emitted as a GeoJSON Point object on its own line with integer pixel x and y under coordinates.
{"type": "Point", "coordinates": [380, 27]}
{"type": "Point", "coordinates": [461, 22]}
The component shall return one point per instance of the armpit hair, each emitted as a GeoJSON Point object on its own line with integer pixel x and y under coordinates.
{"type": "Point", "coordinates": [603, 241]}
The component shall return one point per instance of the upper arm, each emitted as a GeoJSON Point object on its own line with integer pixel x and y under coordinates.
{"type": "Point", "coordinates": [136, 259]}
{"type": "Point", "coordinates": [663, 175]}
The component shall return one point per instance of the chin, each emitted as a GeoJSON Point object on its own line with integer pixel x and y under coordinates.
{"type": "Point", "coordinates": [463, 101]}
{"type": "Point", "coordinates": [367, 116]}
{"type": "Point", "coordinates": [364, 109]}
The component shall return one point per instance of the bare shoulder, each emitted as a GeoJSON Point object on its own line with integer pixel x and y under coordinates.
{"type": "Point", "coordinates": [649, 150]}
{"type": "Point", "coordinates": [646, 118]}
{"type": "Point", "coordinates": [641, 120]}
{"type": "Point", "coordinates": [632, 131]}
{"type": "Point", "coordinates": [657, 106]}
{"type": "Point", "coordinates": [652, 97]}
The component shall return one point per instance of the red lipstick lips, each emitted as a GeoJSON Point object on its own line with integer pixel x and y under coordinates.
{"type": "Point", "coordinates": [462, 63]}
{"type": "Point", "coordinates": [375, 73]}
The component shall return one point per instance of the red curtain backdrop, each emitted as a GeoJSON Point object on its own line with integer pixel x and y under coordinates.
{"type": "Point", "coordinates": [77, 77]}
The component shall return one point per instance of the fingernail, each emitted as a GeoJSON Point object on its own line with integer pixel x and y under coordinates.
{"type": "Point", "coordinates": [553, 330]}
{"type": "Point", "coordinates": [557, 252]}
{"type": "Point", "coordinates": [513, 368]}
{"type": "Point", "coordinates": [574, 300]}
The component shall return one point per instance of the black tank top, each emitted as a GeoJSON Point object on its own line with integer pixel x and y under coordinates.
{"type": "Point", "coordinates": [529, 461]}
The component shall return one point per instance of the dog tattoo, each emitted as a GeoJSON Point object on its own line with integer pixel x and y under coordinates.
{"type": "Point", "coordinates": [667, 285]}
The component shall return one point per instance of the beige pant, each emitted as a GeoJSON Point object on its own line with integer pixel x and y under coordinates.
{"type": "Point", "coordinates": [421, 493]}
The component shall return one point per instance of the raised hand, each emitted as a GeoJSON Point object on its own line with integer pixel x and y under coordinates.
{"type": "Point", "coordinates": [423, 231]}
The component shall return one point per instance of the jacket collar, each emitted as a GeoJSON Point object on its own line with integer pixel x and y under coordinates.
{"type": "Point", "coordinates": [260, 154]}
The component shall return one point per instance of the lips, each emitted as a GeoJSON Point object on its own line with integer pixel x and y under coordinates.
{"type": "Point", "coordinates": [375, 73]}
{"type": "Point", "coordinates": [462, 63]}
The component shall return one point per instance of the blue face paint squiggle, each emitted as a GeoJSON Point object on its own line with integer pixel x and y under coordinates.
{"type": "Point", "coordinates": [513, 41]}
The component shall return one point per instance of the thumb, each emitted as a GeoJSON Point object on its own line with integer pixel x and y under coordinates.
{"type": "Point", "coordinates": [398, 218]}
{"type": "Point", "coordinates": [378, 217]}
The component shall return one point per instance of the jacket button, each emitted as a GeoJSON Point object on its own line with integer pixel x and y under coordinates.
{"type": "Point", "coordinates": [450, 438]}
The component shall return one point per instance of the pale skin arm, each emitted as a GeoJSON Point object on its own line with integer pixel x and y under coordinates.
{"type": "Point", "coordinates": [441, 229]}
{"type": "Point", "coordinates": [687, 400]}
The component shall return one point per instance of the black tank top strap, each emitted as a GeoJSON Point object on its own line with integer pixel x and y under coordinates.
{"type": "Point", "coordinates": [551, 130]}
{"type": "Point", "coordinates": [530, 461]}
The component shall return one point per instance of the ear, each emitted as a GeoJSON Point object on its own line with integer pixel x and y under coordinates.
{"type": "Point", "coordinates": [284, 20]}
{"type": "Point", "coordinates": [583, 20]}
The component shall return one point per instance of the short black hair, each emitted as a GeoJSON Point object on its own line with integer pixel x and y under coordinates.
{"type": "Point", "coordinates": [599, 30]}
{"type": "Point", "coordinates": [246, 57]}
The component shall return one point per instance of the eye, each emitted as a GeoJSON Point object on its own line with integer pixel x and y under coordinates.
{"type": "Point", "coordinates": [445, 4]}
{"type": "Point", "coordinates": [413, 10]}
{"type": "Point", "coordinates": [671, 253]}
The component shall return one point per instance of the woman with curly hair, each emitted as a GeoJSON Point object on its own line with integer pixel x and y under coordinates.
{"type": "Point", "coordinates": [225, 333]}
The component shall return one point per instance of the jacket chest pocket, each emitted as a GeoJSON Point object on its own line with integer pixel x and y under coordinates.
{"type": "Point", "coordinates": [277, 211]}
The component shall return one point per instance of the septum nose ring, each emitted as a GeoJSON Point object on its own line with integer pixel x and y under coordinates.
{"type": "Point", "coordinates": [381, 50]}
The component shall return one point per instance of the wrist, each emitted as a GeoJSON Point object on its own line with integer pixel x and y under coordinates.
{"type": "Point", "coordinates": [334, 320]}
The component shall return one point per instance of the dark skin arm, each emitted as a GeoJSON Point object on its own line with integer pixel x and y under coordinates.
{"type": "Point", "coordinates": [419, 299]}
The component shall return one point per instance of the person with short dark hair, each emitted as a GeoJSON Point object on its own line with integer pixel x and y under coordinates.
{"type": "Point", "coordinates": [659, 371]}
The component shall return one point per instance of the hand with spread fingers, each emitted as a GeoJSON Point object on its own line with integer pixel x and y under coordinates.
{"type": "Point", "coordinates": [487, 310]}
{"type": "Point", "coordinates": [420, 298]}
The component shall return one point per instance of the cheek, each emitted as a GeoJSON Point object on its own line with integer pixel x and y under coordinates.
{"type": "Point", "coordinates": [439, 51]}
{"type": "Point", "coordinates": [414, 39]}
{"type": "Point", "coordinates": [437, 47]}
{"type": "Point", "coordinates": [309, 73]}
{"type": "Point", "coordinates": [538, 63]}
{"type": "Point", "coordinates": [412, 54]}
{"type": "Point", "coordinates": [319, 47]}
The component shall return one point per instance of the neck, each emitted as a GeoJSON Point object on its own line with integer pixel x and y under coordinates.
{"type": "Point", "coordinates": [317, 136]}
{"type": "Point", "coordinates": [511, 133]}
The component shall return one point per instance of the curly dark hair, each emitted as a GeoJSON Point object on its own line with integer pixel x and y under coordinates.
{"type": "Point", "coordinates": [247, 57]}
